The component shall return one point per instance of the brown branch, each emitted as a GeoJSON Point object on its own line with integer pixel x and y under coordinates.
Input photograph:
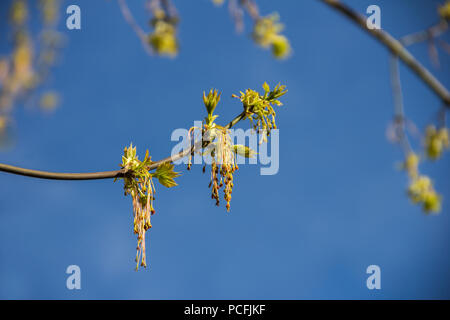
{"type": "Point", "coordinates": [61, 176]}
{"type": "Point", "coordinates": [396, 48]}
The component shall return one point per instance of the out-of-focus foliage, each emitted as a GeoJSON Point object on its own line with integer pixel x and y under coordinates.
{"type": "Point", "coordinates": [163, 39]}
{"type": "Point", "coordinates": [267, 33]}
{"type": "Point", "coordinates": [26, 66]}
{"type": "Point", "coordinates": [444, 10]}
{"type": "Point", "coordinates": [420, 189]}
{"type": "Point", "coordinates": [266, 30]}
{"type": "Point", "coordinates": [436, 141]}
{"type": "Point", "coordinates": [435, 138]}
{"type": "Point", "coordinates": [49, 101]}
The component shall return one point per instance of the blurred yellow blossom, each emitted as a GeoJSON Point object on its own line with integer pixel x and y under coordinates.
{"type": "Point", "coordinates": [411, 165]}
{"type": "Point", "coordinates": [22, 60]}
{"type": "Point", "coordinates": [436, 141]}
{"type": "Point", "coordinates": [18, 12]}
{"type": "Point", "coordinates": [218, 2]}
{"type": "Point", "coordinates": [444, 11]}
{"type": "Point", "coordinates": [421, 191]}
{"type": "Point", "coordinates": [49, 11]}
{"type": "Point", "coordinates": [266, 33]}
{"type": "Point", "coordinates": [49, 101]}
{"type": "Point", "coordinates": [280, 46]}
{"type": "Point", "coordinates": [163, 39]}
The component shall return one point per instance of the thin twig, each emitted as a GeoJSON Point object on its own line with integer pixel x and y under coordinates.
{"type": "Point", "coordinates": [396, 48]}
{"type": "Point", "coordinates": [399, 115]}
{"type": "Point", "coordinates": [128, 16]}
{"type": "Point", "coordinates": [237, 14]}
{"type": "Point", "coordinates": [428, 35]}
{"type": "Point", "coordinates": [425, 35]}
{"type": "Point", "coordinates": [251, 7]}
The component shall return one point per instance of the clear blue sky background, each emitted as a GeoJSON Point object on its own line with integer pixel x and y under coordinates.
{"type": "Point", "coordinates": [337, 205]}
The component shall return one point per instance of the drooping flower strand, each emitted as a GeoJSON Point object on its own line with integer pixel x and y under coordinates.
{"type": "Point", "coordinates": [142, 209]}
{"type": "Point", "coordinates": [444, 10]}
{"type": "Point", "coordinates": [220, 149]}
{"type": "Point", "coordinates": [140, 186]}
{"type": "Point", "coordinates": [216, 141]}
{"type": "Point", "coordinates": [138, 182]}
{"type": "Point", "coordinates": [223, 163]}
{"type": "Point", "coordinates": [267, 33]}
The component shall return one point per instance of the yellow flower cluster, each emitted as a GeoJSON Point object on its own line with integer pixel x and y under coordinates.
{"type": "Point", "coordinates": [444, 11]}
{"type": "Point", "coordinates": [16, 73]}
{"type": "Point", "coordinates": [266, 33]}
{"type": "Point", "coordinates": [259, 108]}
{"type": "Point", "coordinates": [411, 165]}
{"type": "Point", "coordinates": [436, 141]}
{"type": "Point", "coordinates": [24, 68]}
{"type": "Point", "coordinates": [163, 38]}
{"type": "Point", "coordinates": [420, 189]}
{"type": "Point", "coordinates": [18, 12]}
{"type": "Point", "coordinates": [220, 149]}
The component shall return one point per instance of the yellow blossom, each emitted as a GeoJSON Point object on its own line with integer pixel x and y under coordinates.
{"type": "Point", "coordinates": [163, 39]}
{"type": "Point", "coordinates": [266, 33]}
{"type": "Point", "coordinates": [49, 101]}
{"type": "Point", "coordinates": [218, 2]}
{"type": "Point", "coordinates": [18, 13]}
{"type": "Point", "coordinates": [421, 191]}
{"type": "Point", "coordinates": [444, 11]}
{"type": "Point", "coordinates": [436, 141]}
{"type": "Point", "coordinates": [411, 165]}
{"type": "Point", "coordinates": [281, 47]}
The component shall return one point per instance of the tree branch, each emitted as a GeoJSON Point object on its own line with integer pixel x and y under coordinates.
{"type": "Point", "coordinates": [103, 174]}
{"type": "Point", "coordinates": [61, 176]}
{"type": "Point", "coordinates": [396, 48]}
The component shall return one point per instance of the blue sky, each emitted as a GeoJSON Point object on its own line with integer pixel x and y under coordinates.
{"type": "Point", "coordinates": [337, 205]}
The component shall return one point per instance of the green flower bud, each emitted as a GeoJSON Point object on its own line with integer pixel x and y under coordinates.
{"type": "Point", "coordinates": [211, 100]}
